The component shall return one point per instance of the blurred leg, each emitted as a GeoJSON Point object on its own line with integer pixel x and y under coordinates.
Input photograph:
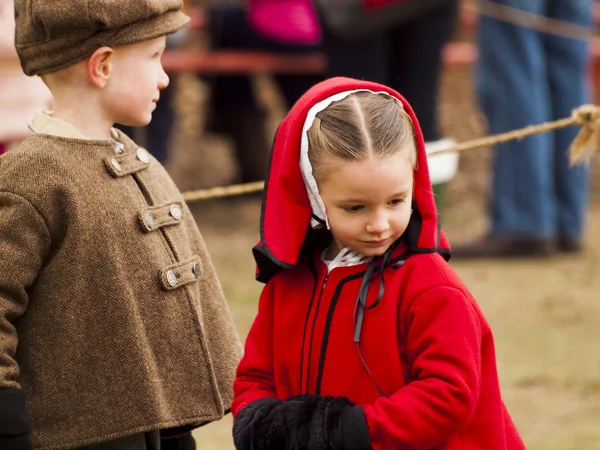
{"type": "Point", "coordinates": [185, 442]}
{"type": "Point", "coordinates": [513, 89]}
{"type": "Point", "coordinates": [568, 75]}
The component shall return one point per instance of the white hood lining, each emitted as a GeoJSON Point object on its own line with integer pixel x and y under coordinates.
{"type": "Point", "coordinates": [316, 202]}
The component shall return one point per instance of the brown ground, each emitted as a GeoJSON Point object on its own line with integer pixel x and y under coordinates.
{"type": "Point", "coordinates": [545, 314]}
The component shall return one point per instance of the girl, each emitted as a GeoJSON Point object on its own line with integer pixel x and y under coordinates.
{"type": "Point", "coordinates": [365, 338]}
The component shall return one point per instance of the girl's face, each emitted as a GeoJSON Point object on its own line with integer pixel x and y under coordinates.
{"type": "Point", "coordinates": [368, 202]}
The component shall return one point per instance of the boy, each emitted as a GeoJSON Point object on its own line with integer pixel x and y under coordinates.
{"type": "Point", "coordinates": [113, 327]}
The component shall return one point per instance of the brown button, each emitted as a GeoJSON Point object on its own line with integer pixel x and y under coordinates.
{"type": "Point", "coordinates": [196, 269]}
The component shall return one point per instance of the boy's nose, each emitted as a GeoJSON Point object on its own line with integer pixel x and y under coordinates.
{"type": "Point", "coordinates": [163, 79]}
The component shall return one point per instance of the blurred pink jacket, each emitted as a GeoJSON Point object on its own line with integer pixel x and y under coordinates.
{"type": "Point", "coordinates": [287, 21]}
{"type": "Point", "coordinates": [20, 95]}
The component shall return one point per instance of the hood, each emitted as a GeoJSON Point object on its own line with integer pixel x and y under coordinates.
{"type": "Point", "coordinates": [286, 208]}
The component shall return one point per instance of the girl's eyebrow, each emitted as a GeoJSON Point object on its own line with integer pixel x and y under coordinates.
{"type": "Point", "coordinates": [359, 200]}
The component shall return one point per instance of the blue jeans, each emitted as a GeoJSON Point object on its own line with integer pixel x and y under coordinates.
{"type": "Point", "coordinates": [525, 77]}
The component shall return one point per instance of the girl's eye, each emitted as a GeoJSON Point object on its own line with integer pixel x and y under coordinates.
{"type": "Point", "coordinates": [353, 209]}
{"type": "Point", "coordinates": [396, 201]}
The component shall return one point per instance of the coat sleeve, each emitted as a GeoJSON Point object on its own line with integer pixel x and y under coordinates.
{"type": "Point", "coordinates": [254, 377]}
{"type": "Point", "coordinates": [24, 244]}
{"type": "Point", "coordinates": [443, 349]}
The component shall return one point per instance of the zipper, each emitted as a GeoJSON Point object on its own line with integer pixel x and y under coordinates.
{"type": "Point", "coordinates": [312, 332]}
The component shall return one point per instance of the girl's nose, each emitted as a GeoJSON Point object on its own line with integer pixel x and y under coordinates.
{"type": "Point", "coordinates": [378, 224]}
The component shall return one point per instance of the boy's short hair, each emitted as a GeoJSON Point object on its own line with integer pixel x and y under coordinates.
{"type": "Point", "coordinates": [54, 34]}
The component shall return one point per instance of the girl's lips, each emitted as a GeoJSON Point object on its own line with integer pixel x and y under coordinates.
{"type": "Point", "coordinates": [376, 243]}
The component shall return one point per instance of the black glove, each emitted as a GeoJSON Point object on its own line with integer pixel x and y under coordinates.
{"type": "Point", "coordinates": [14, 427]}
{"type": "Point", "coordinates": [307, 422]}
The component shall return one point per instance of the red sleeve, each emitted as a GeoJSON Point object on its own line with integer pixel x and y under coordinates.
{"type": "Point", "coordinates": [254, 377]}
{"type": "Point", "coordinates": [443, 343]}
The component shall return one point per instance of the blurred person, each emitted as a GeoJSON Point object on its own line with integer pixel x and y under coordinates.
{"type": "Point", "coordinates": [282, 26]}
{"type": "Point", "coordinates": [526, 77]}
{"type": "Point", "coordinates": [406, 56]}
{"type": "Point", "coordinates": [365, 337]}
{"type": "Point", "coordinates": [20, 96]}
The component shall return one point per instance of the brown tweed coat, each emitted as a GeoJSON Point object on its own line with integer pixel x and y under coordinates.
{"type": "Point", "coordinates": [112, 319]}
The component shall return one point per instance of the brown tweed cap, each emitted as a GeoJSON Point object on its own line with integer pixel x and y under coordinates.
{"type": "Point", "coordinates": [54, 34]}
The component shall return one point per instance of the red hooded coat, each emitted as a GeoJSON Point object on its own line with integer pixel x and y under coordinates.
{"type": "Point", "coordinates": [429, 377]}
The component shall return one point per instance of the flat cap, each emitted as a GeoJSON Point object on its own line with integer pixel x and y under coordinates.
{"type": "Point", "coordinates": [54, 34]}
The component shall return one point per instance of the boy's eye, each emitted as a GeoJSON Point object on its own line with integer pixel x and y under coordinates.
{"type": "Point", "coordinates": [396, 201]}
{"type": "Point", "coordinates": [353, 209]}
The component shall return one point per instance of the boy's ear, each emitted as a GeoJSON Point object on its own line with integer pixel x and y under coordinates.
{"type": "Point", "coordinates": [100, 66]}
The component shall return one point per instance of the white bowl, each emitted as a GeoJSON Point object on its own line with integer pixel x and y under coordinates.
{"type": "Point", "coordinates": [442, 167]}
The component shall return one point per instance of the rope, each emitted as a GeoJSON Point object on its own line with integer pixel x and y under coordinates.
{"type": "Point", "coordinates": [531, 20]}
{"type": "Point", "coordinates": [581, 150]}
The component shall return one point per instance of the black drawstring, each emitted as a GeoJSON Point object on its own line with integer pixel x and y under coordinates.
{"type": "Point", "coordinates": [361, 300]}
{"type": "Point", "coordinates": [361, 304]}
{"type": "Point", "coordinates": [320, 221]}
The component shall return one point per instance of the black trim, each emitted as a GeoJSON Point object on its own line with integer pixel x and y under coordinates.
{"type": "Point", "coordinates": [334, 300]}
{"type": "Point", "coordinates": [312, 333]}
{"type": "Point", "coordinates": [313, 271]}
{"type": "Point", "coordinates": [266, 267]}
{"type": "Point", "coordinates": [413, 233]}
{"type": "Point", "coordinates": [272, 259]}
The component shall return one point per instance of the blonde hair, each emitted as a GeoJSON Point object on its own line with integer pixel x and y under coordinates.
{"type": "Point", "coordinates": [362, 125]}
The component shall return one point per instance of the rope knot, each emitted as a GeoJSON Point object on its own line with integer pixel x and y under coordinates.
{"type": "Point", "coordinates": [587, 116]}
{"type": "Point", "coordinates": [584, 145]}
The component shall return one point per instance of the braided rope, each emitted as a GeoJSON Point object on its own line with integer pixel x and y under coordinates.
{"type": "Point", "coordinates": [581, 151]}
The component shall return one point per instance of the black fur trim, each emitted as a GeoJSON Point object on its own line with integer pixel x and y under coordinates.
{"type": "Point", "coordinates": [249, 424]}
{"type": "Point", "coordinates": [355, 431]}
{"type": "Point", "coordinates": [306, 422]}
